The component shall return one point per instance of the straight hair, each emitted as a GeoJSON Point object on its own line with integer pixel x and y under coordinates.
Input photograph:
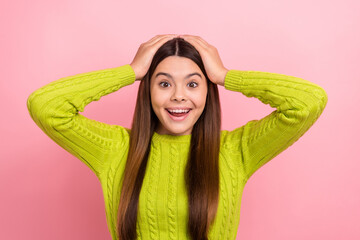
{"type": "Point", "coordinates": [202, 168]}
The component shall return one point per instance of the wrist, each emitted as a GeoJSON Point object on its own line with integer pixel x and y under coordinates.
{"type": "Point", "coordinates": [133, 68]}
{"type": "Point", "coordinates": [223, 76]}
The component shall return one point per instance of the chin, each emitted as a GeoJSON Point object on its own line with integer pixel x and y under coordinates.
{"type": "Point", "coordinates": [177, 132]}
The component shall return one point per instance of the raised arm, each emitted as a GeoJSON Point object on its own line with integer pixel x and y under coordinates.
{"type": "Point", "coordinates": [55, 109]}
{"type": "Point", "coordinates": [298, 103]}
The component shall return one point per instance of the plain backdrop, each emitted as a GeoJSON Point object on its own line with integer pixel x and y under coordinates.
{"type": "Point", "coordinates": [309, 191]}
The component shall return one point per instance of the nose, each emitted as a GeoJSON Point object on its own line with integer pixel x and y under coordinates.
{"type": "Point", "coordinates": [178, 94]}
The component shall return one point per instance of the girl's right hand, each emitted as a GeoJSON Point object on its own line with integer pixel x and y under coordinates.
{"type": "Point", "coordinates": [146, 52]}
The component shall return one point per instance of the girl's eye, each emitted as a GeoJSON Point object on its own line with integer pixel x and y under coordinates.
{"type": "Point", "coordinates": [166, 84]}
{"type": "Point", "coordinates": [162, 84]}
{"type": "Point", "coordinates": [194, 84]}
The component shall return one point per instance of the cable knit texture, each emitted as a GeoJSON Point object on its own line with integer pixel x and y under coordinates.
{"type": "Point", "coordinates": [163, 204]}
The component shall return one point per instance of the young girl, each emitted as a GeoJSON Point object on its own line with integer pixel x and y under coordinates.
{"type": "Point", "coordinates": [175, 174]}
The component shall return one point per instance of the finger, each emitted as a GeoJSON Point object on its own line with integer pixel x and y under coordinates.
{"type": "Point", "coordinates": [203, 44]}
{"type": "Point", "coordinates": [197, 41]}
{"type": "Point", "coordinates": [162, 40]}
{"type": "Point", "coordinates": [186, 36]}
{"type": "Point", "coordinates": [203, 41]}
{"type": "Point", "coordinates": [158, 37]}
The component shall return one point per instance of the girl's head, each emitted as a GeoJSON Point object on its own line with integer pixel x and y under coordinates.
{"type": "Point", "coordinates": [176, 79]}
{"type": "Point", "coordinates": [177, 84]}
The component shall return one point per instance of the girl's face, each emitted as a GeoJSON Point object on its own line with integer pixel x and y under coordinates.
{"type": "Point", "coordinates": [177, 84]}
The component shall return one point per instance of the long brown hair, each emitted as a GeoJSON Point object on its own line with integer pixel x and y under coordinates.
{"type": "Point", "coordinates": [202, 168]}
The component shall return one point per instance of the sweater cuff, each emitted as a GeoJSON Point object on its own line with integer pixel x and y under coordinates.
{"type": "Point", "coordinates": [233, 80]}
{"type": "Point", "coordinates": [126, 74]}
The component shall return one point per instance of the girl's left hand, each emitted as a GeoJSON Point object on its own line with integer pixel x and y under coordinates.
{"type": "Point", "coordinates": [214, 67]}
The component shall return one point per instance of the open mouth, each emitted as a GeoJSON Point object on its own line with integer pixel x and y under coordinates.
{"type": "Point", "coordinates": [178, 115]}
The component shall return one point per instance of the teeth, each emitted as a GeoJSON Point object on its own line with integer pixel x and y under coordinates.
{"type": "Point", "coordinates": [179, 111]}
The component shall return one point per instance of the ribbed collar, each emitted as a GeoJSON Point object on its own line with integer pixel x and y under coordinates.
{"type": "Point", "coordinates": [171, 138]}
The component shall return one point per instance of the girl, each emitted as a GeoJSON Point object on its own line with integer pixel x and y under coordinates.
{"type": "Point", "coordinates": [175, 174]}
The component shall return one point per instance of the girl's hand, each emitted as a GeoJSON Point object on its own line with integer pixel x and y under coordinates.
{"type": "Point", "coordinates": [146, 52]}
{"type": "Point", "coordinates": [213, 65]}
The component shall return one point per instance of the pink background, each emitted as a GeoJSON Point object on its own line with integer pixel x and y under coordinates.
{"type": "Point", "coordinates": [309, 191]}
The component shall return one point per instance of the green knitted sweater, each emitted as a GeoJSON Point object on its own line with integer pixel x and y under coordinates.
{"type": "Point", "coordinates": [162, 211]}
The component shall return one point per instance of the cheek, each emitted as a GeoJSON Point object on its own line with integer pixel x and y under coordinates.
{"type": "Point", "coordinates": [158, 99]}
{"type": "Point", "coordinates": [153, 99]}
{"type": "Point", "coordinates": [199, 98]}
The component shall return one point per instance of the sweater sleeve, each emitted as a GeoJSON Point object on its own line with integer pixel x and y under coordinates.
{"type": "Point", "coordinates": [55, 109]}
{"type": "Point", "coordinates": [298, 103]}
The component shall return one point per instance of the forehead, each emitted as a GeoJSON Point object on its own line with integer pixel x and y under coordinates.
{"type": "Point", "coordinates": [178, 67]}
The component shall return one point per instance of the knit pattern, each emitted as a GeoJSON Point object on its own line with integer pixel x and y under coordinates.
{"type": "Point", "coordinates": [173, 176]}
{"type": "Point", "coordinates": [163, 203]}
{"type": "Point", "coordinates": [151, 191]}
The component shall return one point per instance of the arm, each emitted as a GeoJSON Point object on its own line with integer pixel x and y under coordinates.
{"type": "Point", "coordinates": [298, 103]}
{"type": "Point", "coordinates": [54, 108]}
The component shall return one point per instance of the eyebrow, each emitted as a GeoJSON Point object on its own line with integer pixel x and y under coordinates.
{"type": "Point", "coordinates": [169, 76]}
